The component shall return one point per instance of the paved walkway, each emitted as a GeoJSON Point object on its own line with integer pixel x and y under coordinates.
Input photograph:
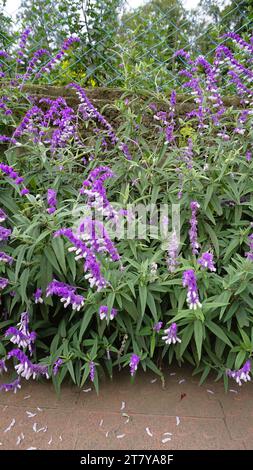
{"type": "Point", "coordinates": [129, 416]}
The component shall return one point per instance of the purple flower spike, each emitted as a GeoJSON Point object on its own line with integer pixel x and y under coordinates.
{"type": "Point", "coordinates": [133, 364]}
{"type": "Point", "coordinates": [37, 296]}
{"type": "Point", "coordinates": [193, 233]}
{"type": "Point", "coordinates": [92, 371]}
{"type": "Point", "coordinates": [3, 216]}
{"type": "Point", "coordinates": [190, 281]}
{"type": "Point", "coordinates": [51, 200]}
{"type": "Point", "coordinates": [4, 258]}
{"type": "Point", "coordinates": [103, 312]}
{"type": "Point", "coordinates": [21, 335]}
{"type": "Point", "coordinates": [25, 368]}
{"type": "Point", "coordinates": [66, 293]}
{"type": "Point", "coordinates": [58, 363]}
{"type": "Point", "coordinates": [13, 386]}
{"type": "Point", "coordinates": [3, 283]}
{"type": "Point", "coordinates": [171, 335]}
{"type": "Point", "coordinates": [206, 261]}
{"type": "Point", "coordinates": [241, 374]}
{"type": "Point", "coordinates": [5, 233]}
{"type": "Point", "coordinates": [21, 339]}
{"type": "Point", "coordinates": [157, 326]}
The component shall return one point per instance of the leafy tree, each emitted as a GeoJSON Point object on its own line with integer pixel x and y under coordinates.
{"type": "Point", "coordinates": [5, 27]}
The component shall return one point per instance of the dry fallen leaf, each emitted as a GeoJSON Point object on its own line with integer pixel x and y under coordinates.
{"type": "Point", "coordinates": [10, 426]}
{"type": "Point", "coordinates": [149, 432]}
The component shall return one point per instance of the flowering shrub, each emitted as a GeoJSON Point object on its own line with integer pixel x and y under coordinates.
{"type": "Point", "coordinates": [98, 302]}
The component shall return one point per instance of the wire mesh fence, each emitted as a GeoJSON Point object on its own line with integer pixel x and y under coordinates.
{"type": "Point", "coordinates": [119, 46]}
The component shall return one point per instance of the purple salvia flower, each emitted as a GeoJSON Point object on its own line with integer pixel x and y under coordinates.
{"type": "Point", "coordinates": [88, 110]}
{"type": "Point", "coordinates": [91, 265]}
{"type": "Point", "coordinates": [93, 188]}
{"type": "Point", "coordinates": [96, 238]}
{"type": "Point", "coordinates": [3, 283]}
{"type": "Point", "coordinates": [4, 258]}
{"type": "Point", "coordinates": [248, 156]}
{"type": "Point", "coordinates": [21, 335]}
{"type": "Point", "coordinates": [66, 293]}
{"type": "Point", "coordinates": [125, 150]}
{"type": "Point", "coordinates": [20, 339]}
{"type": "Point", "coordinates": [33, 62]}
{"type": "Point", "coordinates": [37, 296]}
{"type": "Point", "coordinates": [103, 312]}
{"type": "Point", "coordinates": [51, 201]}
{"type": "Point", "coordinates": [171, 335]}
{"type": "Point", "coordinates": [190, 281]}
{"type": "Point", "coordinates": [3, 367]}
{"type": "Point", "coordinates": [25, 368]}
{"type": "Point", "coordinates": [13, 175]}
{"type": "Point", "coordinates": [58, 363]}
{"type": "Point", "coordinates": [133, 364]}
{"type": "Point", "coordinates": [5, 233]}
{"type": "Point", "coordinates": [3, 216]}
{"type": "Point", "coordinates": [193, 234]}
{"type": "Point", "coordinates": [157, 326]}
{"type": "Point", "coordinates": [249, 254]}
{"type": "Point", "coordinates": [92, 370]}
{"type": "Point", "coordinates": [241, 374]}
{"type": "Point", "coordinates": [59, 56]}
{"type": "Point", "coordinates": [5, 138]}
{"type": "Point", "coordinates": [206, 261]}
{"type": "Point", "coordinates": [13, 386]}
{"type": "Point", "coordinates": [22, 45]}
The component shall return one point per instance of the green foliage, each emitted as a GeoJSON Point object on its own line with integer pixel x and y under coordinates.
{"type": "Point", "coordinates": [217, 336]}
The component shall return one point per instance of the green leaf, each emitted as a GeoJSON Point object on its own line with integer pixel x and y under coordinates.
{"type": "Point", "coordinates": [217, 331]}
{"type": "Point", "coordinates": [198, 335]}
{"type": "Point", "coordinates": [58, 247]}
{"type": "Point", "coordinates": [143, 298]}
{"type": "Point", "coordinates": [88, 314]}
{"type": "Point", "coordinates": [185, 338]}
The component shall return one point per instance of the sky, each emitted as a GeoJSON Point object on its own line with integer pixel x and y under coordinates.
{"type": "Point", "coordinates": [12, 5]}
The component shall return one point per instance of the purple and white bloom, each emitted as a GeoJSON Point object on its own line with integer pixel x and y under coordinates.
{"type": "Point", "coordinates": [91, 265]}
{"type": "Point", "coordinates": [58, 363]}
{"type": "Point", "coordinates": [206, 261]}
{"type": "Point", "coordinates": [3, 216]}
{"type": "Point", "coordinates": [5, 233]}
{"type": "Point", "coordinates": [3, 367]}
{"type": "Point", "coordinates": [171, 335]}
{"type": "Point", "coordinates": [249, 253]}
{"type": "Point", "coordinates": [157, 326]}
{"type": "Point", "coordinates": [66, 293]}
{"type": "Point", "coordinates": [21, 339]}
{"type": "Point", "coordinates": [92, 370]}
{"type": "Point", "coordinates": [3, 283]}
{"type": "Point", "coordinates": [25, 368]}
{"type": "Point", "coordinates": [96, 237]}
{"type": "Point", "coordinates": [193, 233]}
{"type": "Point", "coordinates": [37, 296]}
{"type": "Point", "coordinates": [51, 201]}
{"type": "Point", "coordinates": [190, 281]}
{"type": "Point", "coordinates": [241, 374]}
{"type": "Point", "coordinates": [103, 312]}
{"type": "Point", "coordinates": [133, 364]}
{"type": "Point", "coordinates": [21, 335]}
{"type": "Point", "coordinates": [4, 258]}
{"type": "Point", "coordinates": [13, 386]}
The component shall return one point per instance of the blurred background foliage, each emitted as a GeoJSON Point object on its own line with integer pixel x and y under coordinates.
{"type": "Point", "coordinates": [123, 46]}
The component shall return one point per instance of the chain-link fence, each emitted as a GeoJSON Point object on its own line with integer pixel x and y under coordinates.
{"type": "Point", "coordinates": [120, 46]}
